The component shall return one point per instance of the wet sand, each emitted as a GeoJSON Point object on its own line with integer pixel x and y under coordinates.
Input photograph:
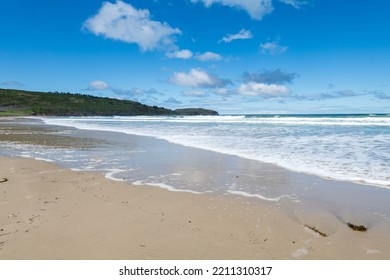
{"type": "Point", "coordinates": [50, 212]}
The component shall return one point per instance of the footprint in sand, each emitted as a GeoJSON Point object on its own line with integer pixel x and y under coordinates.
{"type": "Point", "coordinates": [3, 180]}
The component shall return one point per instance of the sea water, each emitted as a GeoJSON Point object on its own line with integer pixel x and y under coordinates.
{"type": "Point", "coordinates": [353, 148]}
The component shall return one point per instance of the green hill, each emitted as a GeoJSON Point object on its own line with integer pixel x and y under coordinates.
{"type": "Point", "coordinates": [19, 103]}
{"type": "Point", "coordinates": [196, 112]}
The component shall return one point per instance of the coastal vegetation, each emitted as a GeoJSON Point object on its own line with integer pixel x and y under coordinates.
{"type": "Point", "coordinates": [195, 111]}
{"type": "Point", "coordinates": [31, 103]}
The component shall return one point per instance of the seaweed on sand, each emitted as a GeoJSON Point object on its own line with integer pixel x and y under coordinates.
{"type": "Point", "coordinates": [357, 227]}
{"type": "Point", "coordinates": [317, 231]}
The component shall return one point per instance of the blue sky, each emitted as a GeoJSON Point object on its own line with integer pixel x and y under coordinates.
{"type": "Point", "coordinates": [234, 56]}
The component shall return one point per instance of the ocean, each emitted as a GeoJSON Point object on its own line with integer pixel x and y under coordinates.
{"type": "Point", "coordinates": [300, 163]}
{"type": "Point", "coordinates": [354, 148]}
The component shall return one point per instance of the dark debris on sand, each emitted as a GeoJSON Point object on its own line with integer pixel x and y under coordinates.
{"type": "Point", "coordinates": [316, 230]}
{"type": "Point", "coordinates": [357, 227]}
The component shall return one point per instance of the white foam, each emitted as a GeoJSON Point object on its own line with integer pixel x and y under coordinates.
{"type": "Point", "coordinates": [326, 147]}
{"type": "Point", "coordinates": [111, 175]}
{"type": "Point", "coordinates": [43, 159]}
{"type": "Point", "coordinates": [319, 121]}
{"type": "Point", "coordinates": [108, 175]}
{"type": "Point", "coordinates": [79, 170]}
{"type": "Point", "coordinates": [26, 156]}
{"type": "Point", "coordinates": [164, 186]}
{"type": "Point", "coordinates": [245, 194]}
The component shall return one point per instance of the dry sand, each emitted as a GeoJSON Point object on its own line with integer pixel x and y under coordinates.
{"type": "Point", "coordinates": [47, 212]}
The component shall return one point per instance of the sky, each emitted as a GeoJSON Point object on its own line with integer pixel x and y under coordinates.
{"type": "Point", "coordinates": [233, 56]}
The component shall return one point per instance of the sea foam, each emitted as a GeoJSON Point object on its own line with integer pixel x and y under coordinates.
{"type": "Point", "coordinates": [353, 148]}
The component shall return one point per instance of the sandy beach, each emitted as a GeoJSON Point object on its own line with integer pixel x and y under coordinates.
{"type": "Point", "coordinates": [50, 212]}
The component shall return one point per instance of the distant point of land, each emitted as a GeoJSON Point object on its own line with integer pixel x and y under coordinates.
{"type": "Point", "coordinates": [31, 103]}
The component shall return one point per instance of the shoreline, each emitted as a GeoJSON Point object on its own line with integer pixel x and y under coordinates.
{"type": "Point", "coordinates": [159, 163]}
{"type": "Point", "coordinates": [53, 213]}
{"type": "Point", "coordinates": [228, 226]}
{"type": "Point", "coordinates": [89, 141]}
{"type": "Point", "coordinates": [321, 171]}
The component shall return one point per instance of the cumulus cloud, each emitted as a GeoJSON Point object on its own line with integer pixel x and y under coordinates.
{"type": "Point", "coordinates": [197, 78]}
{"type": "Point", "coordinates": [98, 85]}
{"type": "Point", "coordinates": [187, 54]}
{"type": "Point", "coordinates": [182, 54]}
{"type": "Point", "coordinates": [222, 91]}
{"type": "Point", "coordinates": [255, 8]}
{"type": "Point", "coordinates": [241, 35]}
{"type": "Point", "coordinates": [261, 89]}
{"type": "Point", "coordinates": [121, 21]}
{"type": "Point", "coordinates": [208, 56]}
{"type": "Point", "coordinates": [273, 48]}
{"type": "Point", "coordinates": [270, 77]}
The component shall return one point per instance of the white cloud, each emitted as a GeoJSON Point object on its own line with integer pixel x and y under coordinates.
{"type": "Point", "coordinates": [123, 22]}
{"type": "Point", "coordinates": [208, 56]}
{"type": "Point", "coordinates": [242, 34]}
{"type": "Point", "coordinates": [258, 89]}
{"type": "Point", "coordinates": [187, 54]}
{"type": "Point", "coordinates": [224, 91]}
{"type": "Point", "coordinates": [255, 8]}
{"type": "Point", "coordinates": [273, 48]}
{"type": "Point", "coordinates": [221, 91]}
{"type": "Point", "coordinates": [98, 85]}
{"type": "Point", "coordinates": [197, 78]}
{"type": "Point", "coordinates": [182, 54]}
{"type": "Point", "coordinates": [295, 3]}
